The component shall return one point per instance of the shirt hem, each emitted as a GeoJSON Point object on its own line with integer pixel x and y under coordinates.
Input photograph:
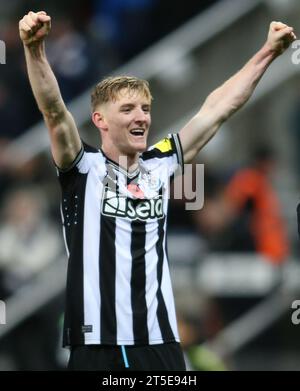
{"type": "Point", "coordinates": [123, 342]}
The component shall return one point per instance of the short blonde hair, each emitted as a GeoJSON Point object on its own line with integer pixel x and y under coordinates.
{"type": "Point", "coordinates": [109, 88]}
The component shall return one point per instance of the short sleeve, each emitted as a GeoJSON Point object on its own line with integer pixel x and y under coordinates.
{"type": "Point", "coordinates": [166, 152]}
{"type": "Point", "coordinates": [86, 158]}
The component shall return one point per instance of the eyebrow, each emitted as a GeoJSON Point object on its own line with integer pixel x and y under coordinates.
{"type": "Point", "coordinates": [130, 105]}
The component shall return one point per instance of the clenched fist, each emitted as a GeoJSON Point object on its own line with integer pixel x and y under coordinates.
{"type": "Point", "coordinates": [280, 37]}
{"type": "Point", "coordinates": [34, 27]}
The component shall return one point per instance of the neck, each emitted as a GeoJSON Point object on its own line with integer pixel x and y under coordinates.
{"type": "Point", "coordinates": [127, 161]}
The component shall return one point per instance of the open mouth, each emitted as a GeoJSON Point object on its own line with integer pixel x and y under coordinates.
{"type": "Point", "coordinates": [137, 132]}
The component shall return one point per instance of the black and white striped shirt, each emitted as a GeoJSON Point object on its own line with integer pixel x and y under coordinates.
{"type": "Point", "coordinates": [118, 286]}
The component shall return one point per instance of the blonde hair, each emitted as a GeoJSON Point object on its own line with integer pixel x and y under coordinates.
{"type": "Point", "coordinates": [109, 88]}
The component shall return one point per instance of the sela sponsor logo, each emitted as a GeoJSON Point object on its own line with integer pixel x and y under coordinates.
{"type": "Point", "coordinates": [118, 205]}
{"type": "Point", "coordinates": [188, 187]}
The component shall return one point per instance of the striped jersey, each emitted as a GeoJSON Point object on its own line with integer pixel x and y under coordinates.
{"type": "Point", "coordinates": [118, 284]}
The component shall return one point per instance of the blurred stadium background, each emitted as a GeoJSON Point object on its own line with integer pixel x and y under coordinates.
{"type": "Point", "coordinates": [233, 294]}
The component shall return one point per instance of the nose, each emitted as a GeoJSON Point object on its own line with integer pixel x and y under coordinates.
{"type": "Point", "coordinates": [141, 116]}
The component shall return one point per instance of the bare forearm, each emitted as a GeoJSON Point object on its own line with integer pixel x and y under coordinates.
{"type": "Point", "coordinates": [65, 140]}
{"type": "Point", "coordinates": [42, 79]}
{"type": "Point", "coordinates": [223, 102]}
{"type": "Point", "coordinates": [236, 91]}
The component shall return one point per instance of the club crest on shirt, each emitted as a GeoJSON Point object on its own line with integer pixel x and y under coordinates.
{"type": "Point", "coordinates": [151, 181]}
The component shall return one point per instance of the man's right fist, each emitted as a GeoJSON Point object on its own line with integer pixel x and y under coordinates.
{"type": "Point", "coordinates": [34, 27]}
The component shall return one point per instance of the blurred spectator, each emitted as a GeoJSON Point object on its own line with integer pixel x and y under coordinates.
{"type": "Point", "coordinates": [247, 213]}
{"type": "Point", "coordinates": [132, 25]}
{"type": "Point", "coordinates": [11, 125]}
{"type": "Point", "coordinates": [17, 107]}
{"type": "Point", "coordinates": [126, 24]}
{"type": "Point", "coordinates": [28, 240]}
{"type": "Point", "coordinates": [79, 59]}
{"type": "Point", "coordinates": [90, 40]}
{"type": "Point", "coordinates": [197, 324]}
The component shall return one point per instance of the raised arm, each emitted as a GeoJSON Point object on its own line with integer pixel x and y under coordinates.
{"type": "Point", "coordinates": [64, 136]}
{"type": "Point", "coordinates": [234, 93]}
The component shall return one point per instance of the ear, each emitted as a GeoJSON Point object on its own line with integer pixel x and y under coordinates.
{"type": "Point", "coordinates": [99, 120]}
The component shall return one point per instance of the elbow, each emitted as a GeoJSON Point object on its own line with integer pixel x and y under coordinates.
{"type": "Point", "coordinates": [53, 117]}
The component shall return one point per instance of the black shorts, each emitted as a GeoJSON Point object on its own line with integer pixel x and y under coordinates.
{"type": "Point", "coordinates": [162, 357]}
